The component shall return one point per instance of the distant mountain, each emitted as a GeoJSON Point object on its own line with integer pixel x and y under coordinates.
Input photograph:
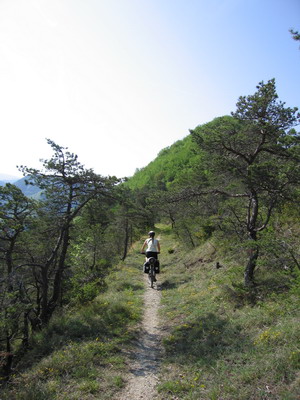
{"type": "Point", "coordinates": [28, 190]}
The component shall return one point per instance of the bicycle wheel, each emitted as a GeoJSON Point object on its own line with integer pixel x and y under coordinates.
{"type": "Point", "coordinates": [151, 275]}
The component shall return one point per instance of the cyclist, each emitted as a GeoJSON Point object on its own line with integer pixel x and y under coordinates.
{"type": "Point", "coordinates": [153, 246]}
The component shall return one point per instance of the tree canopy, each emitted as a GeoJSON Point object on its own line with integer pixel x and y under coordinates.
{"type": "Point", "coordinates": [254, 157]}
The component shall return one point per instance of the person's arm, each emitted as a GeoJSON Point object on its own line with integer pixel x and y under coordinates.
{"type": "Point", "coordinates": [144, 245]}
{"type": "Point", "coordinates": [158, 246]}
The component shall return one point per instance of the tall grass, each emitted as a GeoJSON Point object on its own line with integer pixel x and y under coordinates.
{"type": "Point", "coordinates": [225, 341]}
{"type": "Point", "coordinates": [81, 354]}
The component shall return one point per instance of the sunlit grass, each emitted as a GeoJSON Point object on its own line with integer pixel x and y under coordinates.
{"type": "Point", "coordinates": [225, 341]}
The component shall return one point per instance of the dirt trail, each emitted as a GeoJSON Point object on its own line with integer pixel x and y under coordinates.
{"type": "Point", "coordinates": [147, 352]}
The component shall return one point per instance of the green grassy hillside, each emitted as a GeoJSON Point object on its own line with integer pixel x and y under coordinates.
{"type": "Point", "coordinates": [174, 164]}
{"type": "Point", "coordinates": [222, 341]}
{"type": "Point", "coordinates": [225, 341]}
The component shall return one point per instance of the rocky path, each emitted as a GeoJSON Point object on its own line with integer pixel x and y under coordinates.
{"type": "Point", "coordinates": [147, 352]}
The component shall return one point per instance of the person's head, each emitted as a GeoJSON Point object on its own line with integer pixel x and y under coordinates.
{"type": "Point", "coordinates": [151, 234]}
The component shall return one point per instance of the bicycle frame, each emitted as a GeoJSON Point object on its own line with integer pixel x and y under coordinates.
{"type": "Point", "coordinates": [151, 275]}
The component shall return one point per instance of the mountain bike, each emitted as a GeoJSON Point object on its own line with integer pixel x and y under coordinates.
{"type": "Point", "coordinates": [151, 275]}
{"type": "Point", "coordinates": [150, 268]}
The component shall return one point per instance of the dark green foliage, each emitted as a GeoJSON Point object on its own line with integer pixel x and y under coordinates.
{"type": "Point", "coordinates": [35, 244]}
{"type": "Point", "coordinates": [57, 251]}
{"type": "Point", "coordinates": [253, 158]}
{"type": "Point", "coordinates": [15, 302]}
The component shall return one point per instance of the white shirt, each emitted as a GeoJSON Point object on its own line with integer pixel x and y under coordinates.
{"type": "Point", "coordinates": [152, 245]}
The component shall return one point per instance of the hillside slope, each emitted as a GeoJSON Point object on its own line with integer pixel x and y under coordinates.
{"type": "Point", "coordinates": [174, 164]}
{"type": "Point", "coordinates": [221, 341]}
{"type": "Point", "coordinates": [28, 190]}
{"type": "Point", "coordinates": [225, 341]}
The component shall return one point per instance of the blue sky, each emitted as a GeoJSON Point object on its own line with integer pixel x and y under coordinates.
{"type": "Point", "coordinates": [116, 81]}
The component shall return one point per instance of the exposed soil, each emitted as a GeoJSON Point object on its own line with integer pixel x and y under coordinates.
{"type": "Point", "coordinates": [147, 353]}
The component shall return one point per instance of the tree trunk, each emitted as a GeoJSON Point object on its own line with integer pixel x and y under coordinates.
{"type": "Point", "coordinates": [172, 219]}
{"type": "Point", "coordinates": [253, 251]}
{"type": "Point", "coordinates": [8, 357]}
{"type": "Point", "coordinates": [25, 339]}
{"type": "Point", "coordinates": [44, 297]}
{"type": "Point", "coordinates": [249, 270]}
{"type": "Point", "coordinates": [58, 278]}
{"type": "Point", "coordinates": [190, 236]}
{"type": "Point", "coordinates": [251, 265]}
{"type": "Point", "coordinates": [126, 240]}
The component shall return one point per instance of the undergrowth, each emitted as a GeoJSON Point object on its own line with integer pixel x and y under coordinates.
{"type": "Point", "coordinates": [81, 354]}
{"type": "Point", "coordinates": [225, 341]}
